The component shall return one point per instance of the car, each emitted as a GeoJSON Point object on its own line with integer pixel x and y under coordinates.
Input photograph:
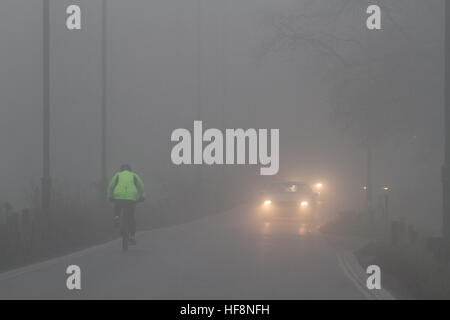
{"type": "Point", "coordinates": [288, 200]}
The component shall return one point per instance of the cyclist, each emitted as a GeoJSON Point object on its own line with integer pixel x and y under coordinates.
{"type": "Point", "coordinates": [125, 190]}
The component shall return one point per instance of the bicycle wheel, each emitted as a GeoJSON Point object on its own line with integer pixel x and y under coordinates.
{"type": "Point", "coordinates": [125, 232]}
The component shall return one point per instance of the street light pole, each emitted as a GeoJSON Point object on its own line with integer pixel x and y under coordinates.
{"type": "Point", "coordinates": [199, 60]}
{"type": "Point", "coordinates": [369, 140]}
{"type": "Point", "coordinates": [386, 206]}
{"type": "Point", "coordinates": [369, 190]}
{"type": "Point", "coordinates": [199, 99]}
{"type": "Point", "coordinates": [446, 166]}
{"type": "Point", "coordinates": [46, 179]}
{"type": "Point", "coordinates": [104, 102]}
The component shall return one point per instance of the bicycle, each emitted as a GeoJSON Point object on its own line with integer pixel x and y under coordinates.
{"type": "Point", "coordinates": [127, 223]}
{"type": "Point", "coordinates": [125, 230]}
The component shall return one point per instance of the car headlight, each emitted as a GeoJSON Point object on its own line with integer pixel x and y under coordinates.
{"type": "Point", "coordinates": [304, 204]}
{"type": "Point", "coordinates": [267, 203]}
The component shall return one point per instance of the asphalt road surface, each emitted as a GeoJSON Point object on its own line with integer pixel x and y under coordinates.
{"type": "Point", "coordinates": [233, 255]}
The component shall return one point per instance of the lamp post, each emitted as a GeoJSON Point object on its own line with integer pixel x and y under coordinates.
{"type": "Point", "coordinates": [446, 166]}
{"type": "Point", "coordinates": [386, 190]}
{"type": "Point", "coordinates": [46, 179]}
{"type": "Point", "coordinates": [103, 178]}
{"type": "Point", "coordinates": [199, 100]}
{"type": "Point", "coordinates": [369, 193]}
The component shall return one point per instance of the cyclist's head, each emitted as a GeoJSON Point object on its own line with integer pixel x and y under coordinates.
{"type": "Point", "coordinates": [125, 167]}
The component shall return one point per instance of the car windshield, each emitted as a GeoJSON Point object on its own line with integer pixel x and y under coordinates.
{"type": "Point", "coordinates": [288, 188]}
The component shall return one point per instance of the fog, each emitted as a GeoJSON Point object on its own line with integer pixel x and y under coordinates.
{"type": "Point", "coordinates": [153, 88]}
{"type": "Point", "coordinates": [311, 69]}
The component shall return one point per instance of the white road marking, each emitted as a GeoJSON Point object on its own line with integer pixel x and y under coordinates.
{"type": "Point", "coordinates": [356, 274]}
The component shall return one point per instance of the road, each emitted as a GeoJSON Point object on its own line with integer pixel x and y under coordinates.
{"type": "Point", "coordinates": [233, 255]}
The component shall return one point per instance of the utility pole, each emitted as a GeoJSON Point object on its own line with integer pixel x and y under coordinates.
{"type": "Point", "coordinates": [199, 60]}
{"type": "Point", "coordinates": [224, 76]}
{"type": "Point", "coordinates": [385, 205]}
{"type": "Point", "coordinates": [103, 179]}
{"type": "Point", "coordinates": [225, 62]}
{"type": "Point", "coordinates": [199, 99]}
{"type": "Point", "coordinates": [46, 179]}
{"type": "Point", "coordinates": [369, 190]}
{"type": "Point", "coordinates": [446, 166]}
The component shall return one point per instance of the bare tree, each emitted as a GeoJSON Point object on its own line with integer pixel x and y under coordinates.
{"type": "Point", "coordinates": [365, 96]}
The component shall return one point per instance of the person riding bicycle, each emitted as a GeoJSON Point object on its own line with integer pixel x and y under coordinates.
{"type": "Point", "coordinates": [125, 190]}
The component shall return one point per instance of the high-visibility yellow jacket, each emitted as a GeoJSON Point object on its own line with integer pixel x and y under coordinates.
{"type": "Point", "coordinates": [126, 185]}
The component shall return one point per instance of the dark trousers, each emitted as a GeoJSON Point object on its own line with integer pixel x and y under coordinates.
{"type": "Point", "coordinates": [127, 208]}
